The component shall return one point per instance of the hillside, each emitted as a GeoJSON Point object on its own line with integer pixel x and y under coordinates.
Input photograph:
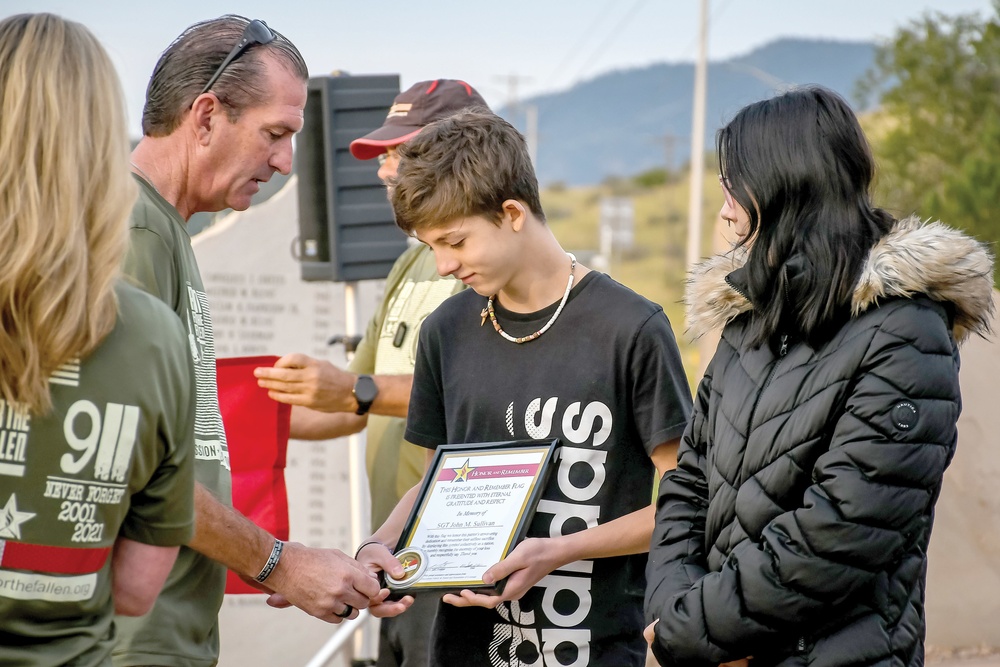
{"type": "Point", "coordinates": [654, 265]}
{"type": "Point", "coordinates": [628, 121]}
{"type": "Point", "coordinates": [625, 122]}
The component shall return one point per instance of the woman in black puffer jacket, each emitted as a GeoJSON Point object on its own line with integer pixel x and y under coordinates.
{"type": "Point", "coordinates": [794, 530]}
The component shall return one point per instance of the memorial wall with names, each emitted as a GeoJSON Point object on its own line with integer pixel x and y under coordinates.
{"type": "Point", "coordinates": [260, 306]}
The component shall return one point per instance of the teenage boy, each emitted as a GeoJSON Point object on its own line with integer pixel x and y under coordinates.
{"type": "Point", "coordinates": [540, 347]}
{"type": "Point", "coordinates": [374, 391]}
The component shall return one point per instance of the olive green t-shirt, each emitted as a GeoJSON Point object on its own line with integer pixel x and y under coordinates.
{"type": "Point", "coordinates": [113, 457]}
{"type": "Point", "coordinates": [413, 290]}
{"type": "Point", "coordinates": [182, 629]}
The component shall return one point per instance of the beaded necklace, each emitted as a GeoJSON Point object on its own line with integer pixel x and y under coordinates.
{"type": "Point", "coordinates": [488, 310]}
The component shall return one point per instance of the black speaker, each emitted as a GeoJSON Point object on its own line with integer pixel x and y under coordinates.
{"type": "Point", "coordinates": [346, 227]}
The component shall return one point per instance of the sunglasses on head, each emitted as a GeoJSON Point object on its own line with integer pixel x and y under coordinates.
{"type": "Point", "coordinates": [256, 32]}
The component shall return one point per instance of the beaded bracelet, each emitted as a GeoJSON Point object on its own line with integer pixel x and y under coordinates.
{"type": "Point", "coordinates": [272, 561]}
{"type": "Point", "coordinates": [365, 544]}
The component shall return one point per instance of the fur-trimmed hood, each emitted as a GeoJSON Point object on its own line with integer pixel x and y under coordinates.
{"type": "Point", "coordinates": [914, 258]}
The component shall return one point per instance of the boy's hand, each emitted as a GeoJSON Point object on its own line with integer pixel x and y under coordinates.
{"type": "Point", "coordinates": [524, 567]}
{"type": "Point", "coordinates": [382, 608]}
{"type": "Point", "coordinates": [377, 605]}
{"type": "Point", "coordinates": [376, 557]}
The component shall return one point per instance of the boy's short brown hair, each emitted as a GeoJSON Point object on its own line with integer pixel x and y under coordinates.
{"type": "Point", "coordinates": [465, 165]}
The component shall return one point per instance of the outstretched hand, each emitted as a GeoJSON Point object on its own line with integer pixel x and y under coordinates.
{"type": "Point", "coordinates": [298, 379]}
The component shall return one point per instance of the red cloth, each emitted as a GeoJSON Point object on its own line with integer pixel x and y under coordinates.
{"type": "Point", "coordinates": [257, 434]}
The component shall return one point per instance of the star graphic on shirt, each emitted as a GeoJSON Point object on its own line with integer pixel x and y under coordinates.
{"type": "Point", "coordinates": [462, 474]}
{"type": "Point", "coordinates": [11, 519]}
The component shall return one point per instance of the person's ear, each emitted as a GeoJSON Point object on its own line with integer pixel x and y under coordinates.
{"type": "Point", "coordinates": [205, 107]}
{"type": "Point", "coordinates": [514, 213]}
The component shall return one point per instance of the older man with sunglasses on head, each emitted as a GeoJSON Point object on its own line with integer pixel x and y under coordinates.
{"type": "Point", "coordinates": [222, 105]}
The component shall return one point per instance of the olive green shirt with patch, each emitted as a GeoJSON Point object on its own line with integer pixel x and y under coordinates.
{"type": "Point", "coordinates": [182, 630]}
{"type": "Point", "coordinates": [413, 290]}
{"type": "Point", "coordinates": [115, 456]}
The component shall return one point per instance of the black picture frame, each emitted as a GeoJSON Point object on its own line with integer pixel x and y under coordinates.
{"type": "Point", "coordinates": [405, 546]}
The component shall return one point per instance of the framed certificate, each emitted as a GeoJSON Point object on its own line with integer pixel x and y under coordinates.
{"type": "Point", "coordinates": [474, 506]}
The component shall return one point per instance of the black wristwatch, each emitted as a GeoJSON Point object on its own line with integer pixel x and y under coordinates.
{"type": "Point", "coordinates": [365, 392]}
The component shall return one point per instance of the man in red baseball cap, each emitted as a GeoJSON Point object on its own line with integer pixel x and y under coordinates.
{"type": "Point", "coordinates": [375, 390]}
{"type": "Point", "coordinates": [421, 104]}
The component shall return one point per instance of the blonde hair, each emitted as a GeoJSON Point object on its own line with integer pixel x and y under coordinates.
{"type": "Point", "coordinates": [65, 197]}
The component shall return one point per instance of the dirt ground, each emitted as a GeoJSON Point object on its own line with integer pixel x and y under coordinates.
{"type": "Point", "coordinates": [983, 656]}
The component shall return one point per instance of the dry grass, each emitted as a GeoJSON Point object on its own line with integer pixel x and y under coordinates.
{"type": "Point", "coordinates": [655, 265]}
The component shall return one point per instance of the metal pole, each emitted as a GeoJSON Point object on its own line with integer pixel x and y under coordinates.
{"type": "Point", "coordinates": [333, 645]}
{"type": "Point", "coordinates": [365, 640]}
{"type": "Point", "coordinates": [698, 142]}
{"type": "Point", "coordinates": [354, 442]}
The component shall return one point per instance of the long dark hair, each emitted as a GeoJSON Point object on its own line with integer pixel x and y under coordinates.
{"type": "Point", "coordinates": [800, 165]}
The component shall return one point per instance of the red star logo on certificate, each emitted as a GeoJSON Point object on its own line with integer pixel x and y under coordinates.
{"type": "Point", "coordinates": [462, 474]}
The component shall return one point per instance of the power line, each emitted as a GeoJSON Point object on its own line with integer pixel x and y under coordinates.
{"type": "Point", "coordinates": [599, 51]}
{"type": "Point", "coordinates": [599, 21]}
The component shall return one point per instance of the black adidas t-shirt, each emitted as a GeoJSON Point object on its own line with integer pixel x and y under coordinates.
{"type": "Point", "coordinates": [606, 379]}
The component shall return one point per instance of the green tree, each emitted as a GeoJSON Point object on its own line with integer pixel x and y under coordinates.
{"type": "Point", "coordinates": [937, 142]}
{"type": "Point", "coordinates": [651, 178]}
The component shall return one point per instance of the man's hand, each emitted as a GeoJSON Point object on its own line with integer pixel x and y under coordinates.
{"type": "Point", "coordinates": [322, 583]}
{"type": "Point", "coordinates": [298, 379]}
{"type": "Point", "coordinates": [524, 567]}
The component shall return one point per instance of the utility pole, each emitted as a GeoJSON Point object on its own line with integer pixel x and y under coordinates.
{"type": "Point", "coordinates": [708, 343]}
{"type": "Point", "coordinates": [698, 142]}
{"type": "Point", "coordinates": [669, 143]}
{"type": "Point", "coordinates": [531, 132]}
{"type": "Point", "coordinates": [530, 112]}
{"type": "Point", "coordinates": [512, 81]}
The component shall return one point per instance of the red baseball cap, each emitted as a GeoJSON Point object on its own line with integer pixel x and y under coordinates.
{"type": "Point", "coordinates": [421, 104]}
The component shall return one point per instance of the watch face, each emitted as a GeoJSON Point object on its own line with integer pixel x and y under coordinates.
{"type": "Point", "coordinates": [365, 389]}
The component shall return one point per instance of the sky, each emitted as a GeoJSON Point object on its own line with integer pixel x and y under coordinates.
{"type": "Point", "coordinates": [542, 45]}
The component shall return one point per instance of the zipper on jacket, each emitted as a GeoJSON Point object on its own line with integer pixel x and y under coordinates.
{"type": "Point", "coordinates": [737, 289]}
{"type": "Point", "coordinates": [782, 351]}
